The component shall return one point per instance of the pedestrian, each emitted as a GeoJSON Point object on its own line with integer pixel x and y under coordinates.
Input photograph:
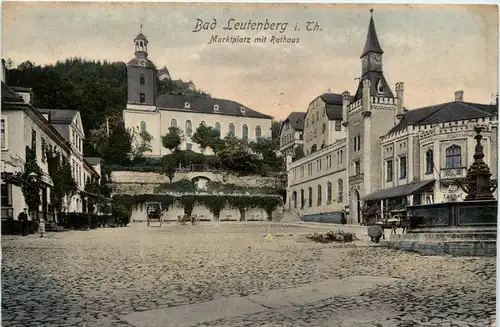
{"type": "Point", "coordinates": [41, 227]}
{"type": "Point", "coordinates": [23, 218]}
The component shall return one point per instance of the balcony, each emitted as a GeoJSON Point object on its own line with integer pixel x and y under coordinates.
{"type": "Point", "coordinates": [452, 173]}
{"type": "Point", "coordinates": [356, 178]}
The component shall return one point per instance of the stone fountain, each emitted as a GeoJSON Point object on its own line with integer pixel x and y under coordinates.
{"type": "Point", "coordinates": [466, 228]}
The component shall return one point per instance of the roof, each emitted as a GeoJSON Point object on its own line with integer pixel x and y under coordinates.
{"type": "Point", "coordinates": [206, 105]}
{"type": "Point", "coordinates": [401, 190]}
{"type": "Point", "coordinates": [94, 160]}
{"type": "Point", "coordinates": [59, 115]}
{"type": "Point", "coordinates": [445, 112]}
{"type": "Point", "coordinates": [140, 36]}
{"type": "Point", "coordinates": [135, 62]}
{"type": "Point", "coordinates": [8, 95]}
{"type": "Point", "coordinates": [373, 76]}
{"type": "Point", "coordinates": [372, 44]}
{"type": "Point", "coordinates": [296, 119]}
{"type": "Point", "coordinates": [21, 89]}
{"type": "Point", "coordinates": [333, 105]}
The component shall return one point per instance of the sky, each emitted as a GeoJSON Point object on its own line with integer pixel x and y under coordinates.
{"type": "Point", "coordinates": [434, 49]}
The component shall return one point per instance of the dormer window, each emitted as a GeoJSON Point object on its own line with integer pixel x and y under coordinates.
{"type": "Point", "coordinates": [187, 105]}
{"type": "Point", "coordinates": [242, 110]}
{"type": "Point", "coordinates": [216, 107]}
{"type": "Point", "coordinates": [380, 87]}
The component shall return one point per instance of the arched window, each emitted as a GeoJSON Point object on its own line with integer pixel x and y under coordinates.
{"type": "Point", "coordinates": [453, 157]}
{"type": "Point", "coordinates": [231, 129]}
{"type": "Point", "coordinates": [173, 123]}
{"type": "Point", "coordinates": [294, 199]}
{"type": "Point", "coordinates": [143, 126]}
{"type": "Point", "coordinates": [329, 192]}
{"type": "Point", "coordinates": [310, 196]}
{"type": "Point", "coordinates": [340, 187]}
{"type": "Point", "coordinates": [244, 132]}
{"type": "Point", "coordinates": [319, 195]}
{"type": "Point", "coordinates": [429, 161]}
{"type": "Point", "coordinates": [217, 127]}
{"type": "Point", "coordinates": [189, 128]}
{"type": "Point", "coordinates": [258, 132]}
{"type": "Point", "coordinates": [302, 199]}
{"type": "Point", "coordinates": [142, 79]}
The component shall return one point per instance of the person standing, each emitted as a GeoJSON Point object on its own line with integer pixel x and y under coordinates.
{"type": "Point", "coordinates": [23, 218]}
{"type": "Point", "coordinates": [41, 227]}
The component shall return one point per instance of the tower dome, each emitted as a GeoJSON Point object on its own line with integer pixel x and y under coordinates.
{"type": "Point", "coordinates": [141, 45]}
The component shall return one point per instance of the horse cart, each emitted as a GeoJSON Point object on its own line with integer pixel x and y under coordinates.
{"type": "Point", "coordinates": [154, 212]}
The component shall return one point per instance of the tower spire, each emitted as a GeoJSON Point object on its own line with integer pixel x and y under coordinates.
{"type": "Point", "coordinates": [372, 44]}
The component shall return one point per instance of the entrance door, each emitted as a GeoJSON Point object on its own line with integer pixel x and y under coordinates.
{"type": "Point", "coordinates": [358, 205]}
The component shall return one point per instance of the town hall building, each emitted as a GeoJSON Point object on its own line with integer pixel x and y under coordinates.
{"type": "Point", "coordinates": [156, 113]}
{"type": "Point", "coordinates": [366, 148]}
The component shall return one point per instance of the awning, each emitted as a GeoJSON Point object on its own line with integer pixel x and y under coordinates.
{"type": "Point", "coordinates": [401, 190]}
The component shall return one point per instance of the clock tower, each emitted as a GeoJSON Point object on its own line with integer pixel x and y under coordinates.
{"type": "Point", "coordinates": [141, 75]}
{"type": "Point", "coordinates": [371, 65]}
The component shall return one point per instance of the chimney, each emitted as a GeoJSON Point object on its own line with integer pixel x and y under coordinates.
{"type": "Point", "coordinates": [400, 106]}
{"type": "Point", "coordinates": [366, 95]}
{"type": "Point", "coordinates": [345, 103]}
{"type": "Point", "coordinates": [459, 96]}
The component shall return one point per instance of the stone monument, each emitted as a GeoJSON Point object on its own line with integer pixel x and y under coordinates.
{"type": "Point", "coordinates": [466, 228]}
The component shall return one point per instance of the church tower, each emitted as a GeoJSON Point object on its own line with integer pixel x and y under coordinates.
{"type": "Point", "coordinates": [141, 75]}
{"type": "Point", "coordinates": [370, 115]}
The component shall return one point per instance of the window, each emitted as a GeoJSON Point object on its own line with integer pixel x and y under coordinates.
{"type": "Point", "coordinates": [318, 165]}
{"type": "Point", "coordinates": [314, 148]}
{"type": "Point", "coordinates": [173, 123]}
{"type": "Point", "coordinates": [258, 132]}
{"type": "Point", "coordinates": [142, 97]}
{"type": "Point", "coordinates": [189, 146]}
{"type": "Point", "coordinates": [323, 128]}
{"type": "Point", "coordinates": [6, 194]}
{"type": "Point", "coordinates": [142, 79]}
{"type": "Point", "coordinates": [329, 192]}
{"type": "Point", "coordinates": [357, 143]}
{"type": "Point", "coordinates": [187, 105]}
{"type": "Point", "coordinates": [402, 167]}
{"type": "Point", "coordinates": [33, 140]}
{"type": "Point", "coordinates": [44, 145]}
{"type": "Point", "coordinates": [338, 125]}
{"type": "Point", "coordinates": [4, 133]}
{"type": "Point", "coordinates": [429, 162]}
{"type": "Point", "coordinates": [189, 128]}
{"type": "Point", "coordinates": [217, 127]}
{"type": "Point", "coordinates": [341, 153]}
{"type": "Point", "coordinates": [389, 172]}
{"type": "Point", "coordinates": [294, 199]}
{"type": "Point", "coordinates": [302, 171]}
{"type": "Point", "coordinates": [216, 107]}
{"type": "Point", "coordinates": [357, 167]}
{"type": "Point", "coordinates": [231, 129]}
{"type": "Point", "coordinates": [310, 197]}
{"type": "Point", "coordinates": [302, 199]}
{"type": "Point", "coordinates": [453, 157]}
{"type": "Point", "coordinates": [143, 126]}
{"type": "Point", "coordinates": [319, 195]}
{"type": "Point", "coordinates": [340, 187]}
{"type": "Point", "coordinates": [244, 132]}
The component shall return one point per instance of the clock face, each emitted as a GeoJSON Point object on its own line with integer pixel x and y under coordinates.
{"type": "Point", "coordinates": [377, 59]}
{"type": "Point", "coordinates": [142, 62]}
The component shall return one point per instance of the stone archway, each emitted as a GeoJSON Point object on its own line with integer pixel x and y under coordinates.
{"type": "Point", "coordinates": [201, 182]}
{"type": "Point", "coordinates": [355, 206]}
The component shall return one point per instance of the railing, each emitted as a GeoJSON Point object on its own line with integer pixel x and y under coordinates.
{"type": "Point", "coordinates": [355, 178]}
{"type": "Point", "coordinates": [451, 173]}
{"type": "Point", "coordinates": [196, 168]}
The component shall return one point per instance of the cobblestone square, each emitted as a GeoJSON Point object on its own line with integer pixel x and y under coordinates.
{"type": "Point", "coordinates": [101, 277]}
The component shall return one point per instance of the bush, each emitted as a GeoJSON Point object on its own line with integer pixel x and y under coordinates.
{"type": "Point", "coordinates": [76, 220]}
{"type": "Point", "coordinates": [13, 227]}
{"type": "Point", "coordinates": [121, 214]}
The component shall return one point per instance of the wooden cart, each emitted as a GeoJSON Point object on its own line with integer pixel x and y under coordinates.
{"type": "Point", "coordinates": [154, 211]}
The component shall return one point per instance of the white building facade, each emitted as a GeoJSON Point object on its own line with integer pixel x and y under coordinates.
{"type": "Point", "coordinates": [383, 153]}
{"type": "Point", "coordinates": [292, 134]}
{"type": "Point", "coordinates": [147, 111]}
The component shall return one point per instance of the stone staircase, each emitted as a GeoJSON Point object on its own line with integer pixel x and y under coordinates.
{"type": "Point", "coordinates": [290, 217]}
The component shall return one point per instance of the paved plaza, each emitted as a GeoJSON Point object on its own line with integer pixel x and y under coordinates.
{"type": "Point", "coordinates": [231, 274]}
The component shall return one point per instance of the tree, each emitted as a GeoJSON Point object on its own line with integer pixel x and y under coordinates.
{"type": "Point", "coordinates": [268, 148]}
{"type": "Point", "coordinates": [275, 129]}
{"type": "Point", "coordinates": [142, 144]}
{"type": "Point", "coordinates": [206, 136]}
{"type": "Point", "coordinates": [173, 139]}
{"type": "Point", "coordinates": [237, 157]}
{"type": "Point", "coordinates": [59, 170]}
{"type": "Point", "coordinates": [168, 166]}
